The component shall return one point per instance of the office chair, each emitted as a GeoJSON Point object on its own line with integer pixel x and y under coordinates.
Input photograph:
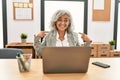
{"type": "Point", "coordinates": [9, 53]}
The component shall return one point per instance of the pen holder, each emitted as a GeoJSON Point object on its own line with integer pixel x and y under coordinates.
{"type": "Point", "coordinates": [24, 62]}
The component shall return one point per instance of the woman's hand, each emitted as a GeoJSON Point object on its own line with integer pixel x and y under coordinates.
{"type": "Point", "coordinates": [42, 34]}
{"type": "Point", "coordinates": [85, 37]}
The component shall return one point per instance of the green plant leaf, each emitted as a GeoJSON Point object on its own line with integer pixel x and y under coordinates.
{"type": "Point", "coordinates": [23, 36]}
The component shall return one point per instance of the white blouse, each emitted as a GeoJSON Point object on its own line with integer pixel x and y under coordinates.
{"type": "Point", "coordinates": [60, 43]}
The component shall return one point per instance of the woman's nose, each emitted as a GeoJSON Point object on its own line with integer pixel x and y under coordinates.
{"type": "Point", "coordinates": [62, 22]}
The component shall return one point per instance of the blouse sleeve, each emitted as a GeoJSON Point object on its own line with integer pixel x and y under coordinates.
{"type": "Point", "coordinates": [38, 45]}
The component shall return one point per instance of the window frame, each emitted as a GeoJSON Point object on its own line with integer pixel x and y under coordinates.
{"type": "Point", "coordinates": [117, 2]}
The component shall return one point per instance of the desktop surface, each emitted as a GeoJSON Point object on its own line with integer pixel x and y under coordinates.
{"type": "Point", "coordinates": [9, 71]}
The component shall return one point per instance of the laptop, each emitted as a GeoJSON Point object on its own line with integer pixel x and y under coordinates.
{"type": "Point", "coordinates": [65, 59]}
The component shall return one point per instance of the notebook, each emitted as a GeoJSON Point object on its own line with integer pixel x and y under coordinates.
{"type": "Point", "coordinates": [65, 59]}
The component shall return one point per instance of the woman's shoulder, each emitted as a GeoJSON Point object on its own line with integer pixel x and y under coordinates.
{"type": "Point", "coordinates": [51, 33]}
{"type": "Point", "coordinates": [74, 33]}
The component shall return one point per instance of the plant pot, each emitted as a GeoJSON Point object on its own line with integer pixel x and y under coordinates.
{"type": "Point", "coordinates": [112, 47]}
{"type": "Point", "coordinates": [23, 40]}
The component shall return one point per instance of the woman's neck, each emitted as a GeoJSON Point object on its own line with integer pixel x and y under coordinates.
{"type": "Point", "coordinates": [61, 35]}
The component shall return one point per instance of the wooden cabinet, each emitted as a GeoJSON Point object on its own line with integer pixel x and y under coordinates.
{"type": "Point", "coordinates": [26, 47]}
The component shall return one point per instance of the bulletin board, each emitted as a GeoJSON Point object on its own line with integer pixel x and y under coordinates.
{"type": "Point", "coordinates": [102, 15]}
{"type": "Point", "coordinates": [23, 10]}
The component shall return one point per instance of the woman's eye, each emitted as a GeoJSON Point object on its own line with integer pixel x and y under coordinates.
{"type": "Point", "coordinates": [65, 20]}
{"type": "Point", "coordinates": [59, 20]}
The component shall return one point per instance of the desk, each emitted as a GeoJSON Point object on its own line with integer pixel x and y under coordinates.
{"type": "Point", "coordinates": [26, 47]}
{"type": "Point", "coordinates": [9, 71]}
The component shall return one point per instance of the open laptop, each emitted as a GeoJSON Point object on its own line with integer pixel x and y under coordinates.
{"type": "Point", "coordinates": [65, 59]}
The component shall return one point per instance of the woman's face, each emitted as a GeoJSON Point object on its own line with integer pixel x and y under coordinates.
{"type": "Point", "coordinates": [63, 22]}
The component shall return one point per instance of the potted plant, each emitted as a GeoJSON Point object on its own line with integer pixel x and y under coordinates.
{"type": "Point", "coordinates": [112, 44]}
{"type": "Point", "coordinates": [23, 37]}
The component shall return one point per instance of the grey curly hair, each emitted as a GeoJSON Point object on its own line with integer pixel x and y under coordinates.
{"type": "Point", "coordinates": [57, 15]}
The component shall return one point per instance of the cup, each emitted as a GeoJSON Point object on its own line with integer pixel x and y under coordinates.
{"type": "Point", "coordinates": [24, 62]}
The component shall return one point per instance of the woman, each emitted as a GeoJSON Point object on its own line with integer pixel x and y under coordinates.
{"type": "Point", "coordinates": [61, 33]}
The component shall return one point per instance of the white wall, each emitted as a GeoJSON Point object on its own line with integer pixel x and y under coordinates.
{"type": "Point", "coordinates": [100, 31]}
{"type": "Point", "coordinates": [15, 28]}
{"type": "Point", "coordinates": [97, 30]}
{"type": "Point", "coordinates": [1, 26]}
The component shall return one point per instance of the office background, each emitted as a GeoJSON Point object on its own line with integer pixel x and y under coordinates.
{"type": "Point", "coordinates": [98, 31]}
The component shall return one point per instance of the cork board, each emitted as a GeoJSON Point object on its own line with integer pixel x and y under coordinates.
{"type": "Point", "coordinates": [102, 15]}
{"type": "Point", "coordinates": [23, 10]}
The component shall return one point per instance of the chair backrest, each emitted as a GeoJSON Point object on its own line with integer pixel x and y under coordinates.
{"type": "Point", "coordinates": [9, 53]}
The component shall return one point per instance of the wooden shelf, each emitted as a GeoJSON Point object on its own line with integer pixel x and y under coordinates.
{"type": "Point", "coordinates": [26, 47]}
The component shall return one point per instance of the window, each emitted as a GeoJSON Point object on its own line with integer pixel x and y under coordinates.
{"type": "Point", "coordinates": [77, 8]}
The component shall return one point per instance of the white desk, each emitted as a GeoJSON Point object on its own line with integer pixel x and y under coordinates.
{"type": "Point", "coordinates": [9, 71]}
